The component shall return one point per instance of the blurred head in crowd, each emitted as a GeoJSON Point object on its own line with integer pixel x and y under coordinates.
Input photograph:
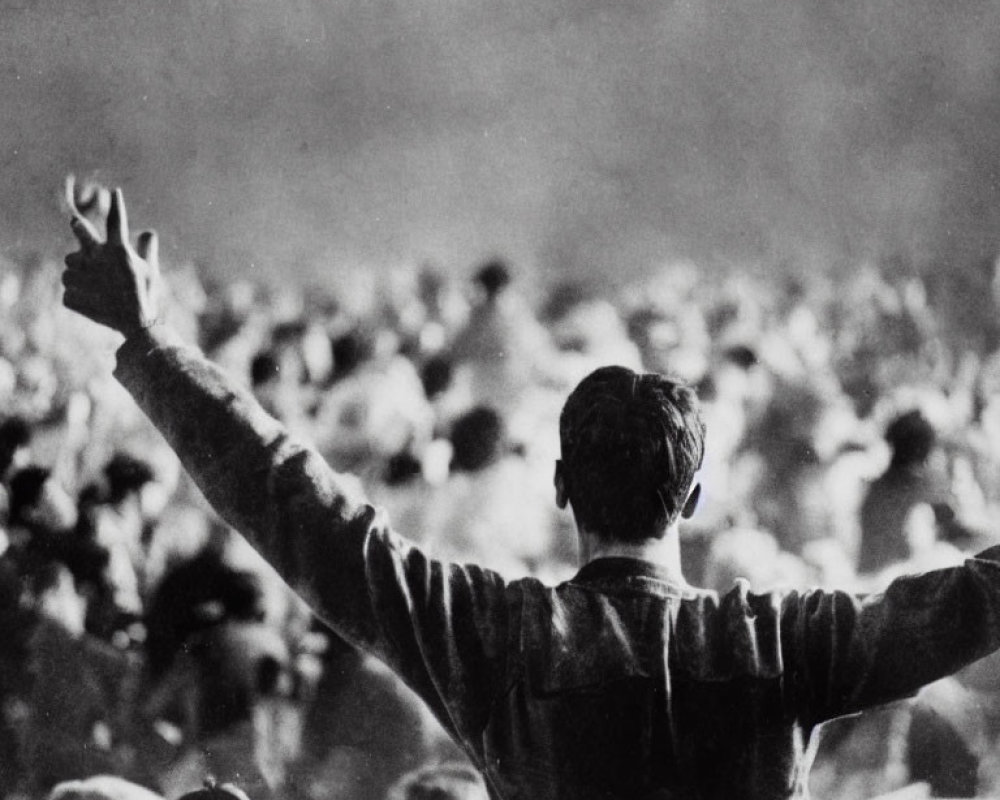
{"type": "Point", "coordinates": [492, 278]}
{"type": "Point", "coordinates": [287, 340]}
{"type": "Point", "coordinates": [38, 500]}
{"type": "Point", "coordinates": [911, 438]}
{"type": "Point", "coordinates": [15, 440]}
{"type": "Point", "coordinates": [351, 350]}
{"type": "Point", "coordinates": [656, 335]}
{"type": "Point", "coordinates": [440, 782]}
{"type": "Point", "coordinates": [134, 483]}
{"type": "Point", "coordinates": [740, 356]}
{"type": "Point", "coordinates": [733, 372]}
{"type": "Point", "coordinates": [436, 376]}
{"type": "Point", "coordinates": [920, 528]}
{"type": "Point", "coordinates": [126, 476]}
{"type": "Point", "coordinates": [477, 439]}
{"type": "Point", "coordinates": [264, 370]}
{"type": "Point", "coordinates": [57, 598]}
{"type": "Point", "coordinates": [631, 445]}
{"type": "Point", "coordinates": [402, 468]}
{"type": "Point", "coordinates": [266, 381]}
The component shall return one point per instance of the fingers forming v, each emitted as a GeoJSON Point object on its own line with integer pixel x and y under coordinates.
{"type": "Point", "coordinates": [83, 229]}
{"type": "Point", "coordinates": [118, 220]}
{"type": "Point", "coordinates": [148, 247]}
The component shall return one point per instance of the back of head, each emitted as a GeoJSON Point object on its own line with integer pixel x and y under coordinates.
{"type": "Point", "coordinates": [264, 368]}
{"type": "Point", "coordinates": [911, 438]}
{"type": "Point", "coordinates": [125, 475]}
{"type": "Point", "coordinates": [477, 440]}
{"type": "Point", "coordinates": [402, 468]}
{"type": "Point", "coordinates": [351, 350]}
{"type": "Point", "coordinates": [493, 277]}
{"type": "Point", "coordinates": [631, 445]}
{"type": "Point", "coordinates": [26, 489]}
{"type": "Point", "coordinates": [15, 433]}
{"type": "Point", "coordinates": [740, 355]}
{"type": "Point", "coordinates": [440, 782]}
{"type": "Point", "coordinates": [436, 376]}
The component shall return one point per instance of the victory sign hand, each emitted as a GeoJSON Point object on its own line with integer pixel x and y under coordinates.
{"type": "Point", "coordinates": [111, 282]}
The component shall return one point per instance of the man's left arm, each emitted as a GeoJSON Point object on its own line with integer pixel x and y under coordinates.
{"type": "Point", "coordinates": [843, 653]}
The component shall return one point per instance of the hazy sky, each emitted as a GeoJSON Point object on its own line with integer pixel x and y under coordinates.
{"type": "Point", "coordinates": [585, 136]}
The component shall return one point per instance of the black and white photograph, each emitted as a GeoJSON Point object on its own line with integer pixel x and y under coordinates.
{"type": "Point", "coordinates": [469, 400]}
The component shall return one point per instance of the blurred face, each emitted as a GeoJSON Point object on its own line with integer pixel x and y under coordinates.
{"type": "Point", "coordinates": [62, 602]}
{"type": "Point", "coordinates": [732, 383]}
{"type": "Point", "coordinates": [920, 528]}
{"type": "Point", "coordinates": [153, 500]}
{"type": "Point", "coordinates": [55, 509]}
{"type": "Point", "coordinates": [20, 458]}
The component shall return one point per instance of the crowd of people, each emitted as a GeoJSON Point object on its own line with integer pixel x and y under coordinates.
{"type": "Point", "coordinates": [850, 440]}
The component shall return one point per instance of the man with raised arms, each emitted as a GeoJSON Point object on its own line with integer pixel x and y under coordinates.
{"type": "Point", "coordinates": [623, 682]}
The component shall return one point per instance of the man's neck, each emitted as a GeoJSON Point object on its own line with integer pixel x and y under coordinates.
{"type": "Point", "coordinates": [663, 551]}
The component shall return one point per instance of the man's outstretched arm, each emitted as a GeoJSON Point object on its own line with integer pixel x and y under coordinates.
{"type": "Point", "coordinates": [844, 653]}
{"type": "Point", "coordinates": [438, 625]}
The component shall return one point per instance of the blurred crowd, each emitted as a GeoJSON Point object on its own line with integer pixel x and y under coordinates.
{"type": "Point", "coordinates": [851, 440]}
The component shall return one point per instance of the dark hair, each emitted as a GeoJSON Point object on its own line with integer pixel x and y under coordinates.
{"type": "Point", "coordinates": [126, 474]}
{"type": "Point", "coordinates": [911, 438]}
{"type": "Point", "coordinates": [351, 350]}
{"type": "Point", "coordinates": [14, 433]}
{"type": "Point", "coordinates": [289, 332]}
{"type": "Point", "coordinates": [46, 576]}
{"type": "Point", "coordinates": [477, 439]}
{"type": "Point", "coordinates": [26, 489]}
{"type": "Point", "coordinates": [263, 368]}
{"type": "Point", "coordinates": [631, 445]}
{"type": "Point", "coordinates": [401, 469]}
{"type": "Point", "coordinates": [740, 355]}
{"type": "Point", "coordinates": [493, 276]}
{"type": "Point", "coordinates": [436, 376]}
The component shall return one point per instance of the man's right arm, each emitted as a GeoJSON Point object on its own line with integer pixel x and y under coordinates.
{"type": "Point", "coordinates": [307, 521]}
{"type": "Point", "coordinates": [443, 627]}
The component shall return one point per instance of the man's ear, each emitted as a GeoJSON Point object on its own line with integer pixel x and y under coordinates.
{"type": "Point", "coordinates": [560, 483]}
{"type": "Point", "coordinates": [692, 502]}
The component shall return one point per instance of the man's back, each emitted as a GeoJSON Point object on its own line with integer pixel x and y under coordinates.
{"type": "Point", "coordinates": [627, 686]}
{"type": "Point", "coordinates": [620, 684]}
{"type": "Point", "coordinates": [616, 684]}
{"type": "Point", "coordinates": [542, 685]}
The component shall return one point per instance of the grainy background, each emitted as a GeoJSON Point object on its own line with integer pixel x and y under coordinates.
{"type": "Point", "coordinates": [589, 138]}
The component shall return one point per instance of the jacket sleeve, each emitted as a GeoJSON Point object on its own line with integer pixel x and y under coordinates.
{"type": "Point", "coordinates": [844, 653]}
{"type": "Point", "coordinates": [441, 626]}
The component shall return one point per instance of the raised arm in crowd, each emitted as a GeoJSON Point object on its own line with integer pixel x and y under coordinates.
{"type": "Point", "coordinates": [623, 682]}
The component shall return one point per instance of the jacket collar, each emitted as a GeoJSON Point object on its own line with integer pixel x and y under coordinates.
{"type": "Point", "coordinates": [620, 567]}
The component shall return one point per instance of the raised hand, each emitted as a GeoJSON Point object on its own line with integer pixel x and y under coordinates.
{"type": "Point", "coordinates": [89, 198]}
{"type": "Point", "coordinates": [111, 282]}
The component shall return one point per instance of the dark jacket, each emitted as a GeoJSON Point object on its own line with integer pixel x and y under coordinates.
{"type": "Point", "coordinates": [616, 684]}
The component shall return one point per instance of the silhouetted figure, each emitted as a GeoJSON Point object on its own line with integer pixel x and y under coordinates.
{"type": "Point", "coordinates": [909, 480]}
